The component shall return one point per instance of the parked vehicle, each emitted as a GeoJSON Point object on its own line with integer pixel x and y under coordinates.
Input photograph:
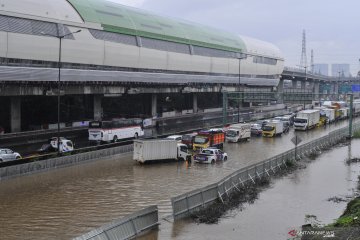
{"type": "Point", "coordinates": [273, 128]}
{"type": "Point", "coordinates": [175, 137]}
{"type": "Point", "coordinates": [284, 119]}
{"type": "Point", "coordinates": [188, 139]}
{"type": "Point", "coordinates": [210, 155]}
{"type": "Point", "coordinates": [286, 127]}
{"type": "Point", "coordinates": [159, 150]}
{"type": "Point", "coordinates": [8, 155]}
{"type": "Point", "coordinates": [238, 132]}
{"type": "Point", "coordinates": [66, 145]}
{"type": "Point", "coordinates": [116, 129]}
{"type": "Point", "coordinates": [256, 129]}
{"type": "Point", "coordinates": [209, 138]}
{"type": "Point", "coordinates": [329, 113]}
{"type": "Point", "coordinates": [344, 113]}
{"type": "Point", "coordinates": [263, 122]}
{"type": "Point", "coordinates": [306, 119]}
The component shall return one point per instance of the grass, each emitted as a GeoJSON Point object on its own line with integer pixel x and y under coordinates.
{"type": "Point", "coordinates": [351, 216]}
{"type": "Point", "coordinates": [356, 134]}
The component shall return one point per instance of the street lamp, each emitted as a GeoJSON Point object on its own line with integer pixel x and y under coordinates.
{"type": "Point", "coordinates": [240, 57]}
{"type": "Point", "coordinates": [60, 37]}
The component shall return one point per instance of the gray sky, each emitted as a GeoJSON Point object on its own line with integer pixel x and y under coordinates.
{"type": "Point", "coordinates": [331, 26]}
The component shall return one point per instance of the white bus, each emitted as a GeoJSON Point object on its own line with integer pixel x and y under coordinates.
{"type": "Point", "coordinates": [112, 131]}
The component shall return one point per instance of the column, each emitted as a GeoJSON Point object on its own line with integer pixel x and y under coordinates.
{"type": "Point", "coordinates": [336, 88]}
{"type": "Point", "coordinates": [316, 90]}
{"type": "Point", "coordinates": [15, 114]}
{"type": "Point", "coordinates": [195, 103]}
{"type": "Point", "coordinates": [154, 105]}
{"type": "Point", "coordinates": [280, 91]}
{"type": "Point", "coordinates": [303, 85]}
{"type": "Point", "coordinates": [98, 111]}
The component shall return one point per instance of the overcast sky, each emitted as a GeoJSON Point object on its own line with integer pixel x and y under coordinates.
{"type": "Point", "coordinates": [332, 26]}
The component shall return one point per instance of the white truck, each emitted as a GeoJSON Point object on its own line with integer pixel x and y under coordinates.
{"type": "Point", "coordinates": [237, 132]}
{"type": "Point", "coordinates": [306, 119]}
{"type": "Point", "coordinates": [329, 113]}
{"type": "Point", "coordinates": [159, 150]}
{"type": "Point", "coordinates": [273, 128]}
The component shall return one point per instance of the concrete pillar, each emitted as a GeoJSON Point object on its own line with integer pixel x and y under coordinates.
{"type": "Point", "coordinates": [280, 91]}
{"type": "Point", "coordinates": [316, 89]}
{"type": "Point", "coordinates": [280, 87]}
{"type": "Point", "coordinates": [311, 84]}
{"type": "Point", "coordinates": [154, 105]}
{"type": "Point", "coordinates": [15, 114]}
{"type": "Point", "coordinates": [303, 85]}
{"type": "Point", "coordinates": [98, 111]}
{"type": "Point", "coordinates": [336, 88]}
{"type": "Point", "coordinates": [195, 103]}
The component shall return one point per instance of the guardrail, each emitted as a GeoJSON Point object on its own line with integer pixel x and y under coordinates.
{"type": "Point", "coordinates": [39, 132]}
{"type": "Point", "coordinates": [53, 163]}
{"type": "Point", "coordinates": [127, 227]}
{"type": "Point", "coordinates": [190, 202]}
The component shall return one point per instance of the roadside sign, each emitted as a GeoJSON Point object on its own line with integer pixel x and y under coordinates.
{"type": "Point", "coordinates": [296, 140]}
{"type": "Point", "coordinates": [355, 88]}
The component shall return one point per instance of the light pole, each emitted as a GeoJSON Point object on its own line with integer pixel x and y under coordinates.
{"type": "Point", "coordinates": [60, 37]}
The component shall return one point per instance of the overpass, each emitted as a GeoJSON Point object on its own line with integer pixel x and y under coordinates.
{"type": "Point", "coordinates": [20, 84]}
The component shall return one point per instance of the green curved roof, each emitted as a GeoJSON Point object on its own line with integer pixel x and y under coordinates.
{"type": "Point", "coordinates": [121, 19]}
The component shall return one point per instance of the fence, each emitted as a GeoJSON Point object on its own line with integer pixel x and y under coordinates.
{"type": "Point", "coordinates": [127, 227]}
{"type": "Point", "coordinates": [190, 202]}
{"type": "Point", "coordinates": [43, 165]}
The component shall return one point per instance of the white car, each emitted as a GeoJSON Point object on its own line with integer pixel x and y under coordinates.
{"type": "Point", "coordinates": [210, 155]}
{"type": "Point", "coordinates": [8, 155]}
{"type": "Point", "coordinates": [178, 138]}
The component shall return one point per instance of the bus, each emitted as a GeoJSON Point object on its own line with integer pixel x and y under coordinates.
{"type": "Point", "coordinates": [116, 129]}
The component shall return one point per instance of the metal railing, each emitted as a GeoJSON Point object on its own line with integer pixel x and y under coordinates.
{"type": "Point", "coordinates": [190, 202]}
{"type": "Point", "coordinates": [127, 227]}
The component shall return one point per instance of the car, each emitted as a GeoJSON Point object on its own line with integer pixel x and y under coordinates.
{"type": "Point", "coordinates": [210, 155]}
{"type": "Point", "coordinates": [175, 137]}
{"type": "Point", "coordinates": [256, 129]}
{"type": "Point", "coordinates": [8, 155]}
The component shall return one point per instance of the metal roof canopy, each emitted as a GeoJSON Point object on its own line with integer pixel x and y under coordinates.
{"type": "Point", "coordinates": [122, 19]}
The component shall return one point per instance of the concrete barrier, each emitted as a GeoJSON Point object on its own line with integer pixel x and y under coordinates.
{"type": "Point", "coordinates": [127, 227]}
{"type": "Point", "coordinates": [65, 161]}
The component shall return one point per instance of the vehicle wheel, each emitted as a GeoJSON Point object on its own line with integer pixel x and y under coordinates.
{"type": "Point", "coordinates": [17, 158]}
{"type": "Point", "coordinates": [1, 160]}
{"type": "Point", "coordinates": [136, 135]}
{"type": "Point", "coordinates": [213, 161]}
{"type": "Point", "coordinates": [225, 158]}
{"type": "Point", "coordinates": [115, 139]}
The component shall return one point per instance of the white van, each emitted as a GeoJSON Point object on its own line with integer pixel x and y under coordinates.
{"type": "Point", "coordinates": [237, 132]}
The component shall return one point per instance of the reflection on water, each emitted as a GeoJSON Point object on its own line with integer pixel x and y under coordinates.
{"type": "Point", "coordinates": [71, 201]}
{"type": "Point", "coordinates": [283, 206]}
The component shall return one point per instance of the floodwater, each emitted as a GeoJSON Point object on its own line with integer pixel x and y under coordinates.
{"type": "Point", "coordinates": [71, 201]}
{"type": "Point", "coordinates": [283, 206]}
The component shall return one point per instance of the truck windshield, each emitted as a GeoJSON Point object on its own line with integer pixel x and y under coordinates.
{"type": "Point", "coordinates": [300, 120]}
{"type": "Point", "coordinates": [231, 133]}
{"type": "Point", "coordinates": [268, 128]}
{"type": "Point", "coordinates": [201, 140]}
{"type": "Point", "coordinates": [187, 137]}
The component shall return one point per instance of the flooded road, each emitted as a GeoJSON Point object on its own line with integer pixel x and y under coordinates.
{"type": "Point", "coordinates": [68, 202]}
{"type": "Point", "coordinates": [283, 206]}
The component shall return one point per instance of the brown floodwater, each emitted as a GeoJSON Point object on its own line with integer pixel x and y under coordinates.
{"type": "Point", "coordinates": [284, 205]}
{"type": "Point", "coordinates": [69, 202]}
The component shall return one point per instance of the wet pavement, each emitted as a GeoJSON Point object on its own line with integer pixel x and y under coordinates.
{"type": "Point", "coordinates": [284, 205]}
{"type": "Point", "coordinates": [68, 202]}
